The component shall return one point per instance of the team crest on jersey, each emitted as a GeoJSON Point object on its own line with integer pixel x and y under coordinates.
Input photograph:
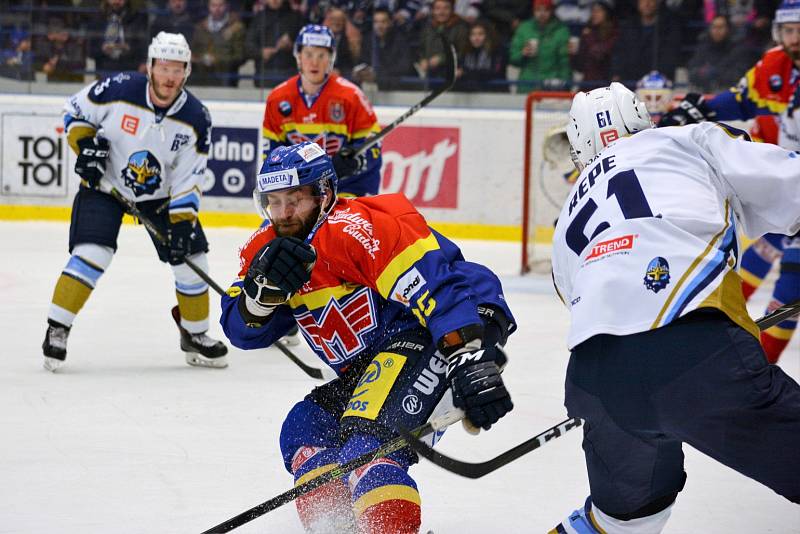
{"type": "Point", "coordinates": [285, 108]}
{"type": "Point", "coordinates": [657, 276]}
{"type": "Point", "coordinates": [143, 173]}
{"type": "Point", "coordinates": [336, 111]}
{"type": "Point", "coordinates": [775, 82]}
{"type": "Point", "coordinates": [340, 331]}
{"type": "Point", "coordinates": [330, 143]}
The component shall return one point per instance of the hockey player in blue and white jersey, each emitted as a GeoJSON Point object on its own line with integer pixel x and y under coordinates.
{"type": "Point", "coordinates": [148, 139]}
{"type": "Point", "coordinates": [645, 255]}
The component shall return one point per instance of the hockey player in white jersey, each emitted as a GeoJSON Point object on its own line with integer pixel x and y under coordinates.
{"type": "Point", "coordinates": [148, 138]}
{"type": "Point", "coordinates": [664, 352]}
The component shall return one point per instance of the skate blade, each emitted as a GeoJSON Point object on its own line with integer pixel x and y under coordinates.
{"type": "Point", "coordinates": [51, 364]}
{"type": "Point", "coordinates": [198, 360]}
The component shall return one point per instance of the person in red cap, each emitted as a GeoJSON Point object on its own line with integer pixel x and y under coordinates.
{"type": "Point", "coordinates": [539, 49]}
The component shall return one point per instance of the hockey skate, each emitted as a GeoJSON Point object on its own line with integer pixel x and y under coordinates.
{"type": "Point", "coordinates": [201, 350]}
{"type": "Point", "coordinates": [54, 346]}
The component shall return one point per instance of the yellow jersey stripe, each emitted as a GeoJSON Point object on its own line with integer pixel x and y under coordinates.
{"type": "Point", "coordinates": [319, 298]}
{"type": "Point", "coordinates": [403, 261]}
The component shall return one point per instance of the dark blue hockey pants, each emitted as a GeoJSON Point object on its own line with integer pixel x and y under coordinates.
{"type": "Point", "coordinates": [701, 380]}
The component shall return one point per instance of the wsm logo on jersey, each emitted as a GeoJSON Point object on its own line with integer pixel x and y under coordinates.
{"type": "Point", "coordinates": [143, 173]}
{"type": "Point", "coordinates": [656, 277]}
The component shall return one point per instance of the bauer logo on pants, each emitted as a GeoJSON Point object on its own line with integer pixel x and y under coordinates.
{"type": "Point", "coordinates": [422, 163]}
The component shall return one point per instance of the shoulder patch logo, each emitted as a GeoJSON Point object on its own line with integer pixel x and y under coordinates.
{"type": "Point", "coordinates": [407, 286]}
{"type": "Point", "coordinates": [129, 124]}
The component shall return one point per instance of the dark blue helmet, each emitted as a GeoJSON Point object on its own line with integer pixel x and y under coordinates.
{"type": "Point", "coordinates": [291, 167]}
{"type": "Point", "coordinates": [788, 11]}
{"type": "Point", "coordinates": [315, 35]}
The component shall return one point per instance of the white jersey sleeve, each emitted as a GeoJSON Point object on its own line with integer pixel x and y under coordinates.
{"type": "Point", "coordinates": [649, 231]}
{"type": "Point", "coordinates": [760, 179]}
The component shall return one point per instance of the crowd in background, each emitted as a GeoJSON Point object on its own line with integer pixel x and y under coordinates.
{"type": "Point", "coordinates": [502, 45]}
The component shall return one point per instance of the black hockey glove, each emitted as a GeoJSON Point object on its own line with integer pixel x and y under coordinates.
{"type": "Point", "coordinates": [91, 162]}
{"type": "Point", "coordinates": [284, 263]}
{"type": "Point", "coordinates": [478, 389]}
{"type": "Point", "coordinates": [692, 109]}
{"type": "Point", "coordinates": [346, 163]}
{"type": "Point", "coordinates": [180, 237]}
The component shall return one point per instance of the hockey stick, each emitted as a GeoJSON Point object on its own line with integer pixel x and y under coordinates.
{"type": "Point", "coordinates": [131, 208]}
{"type": "Point", "coordinates": [479, 469]}
{"type": "Point", "coordinates": [451, 63]}
{"type": "Point", "coordinates": [434, 425]}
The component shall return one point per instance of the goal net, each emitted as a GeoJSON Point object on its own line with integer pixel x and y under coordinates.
{"type": "Point", "coordinates": [548, 175]}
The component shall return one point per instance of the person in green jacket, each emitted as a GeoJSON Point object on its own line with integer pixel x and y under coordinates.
{"type": "Point", "coordinates": [539, 49]}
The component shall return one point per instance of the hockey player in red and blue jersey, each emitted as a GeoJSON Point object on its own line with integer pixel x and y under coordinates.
{"type": "Point", "coordinates": [763, 94]}
{"type": "Point", "coordinates": [392, 307]}
{"type": "Point", "coordinates": [322, 107]}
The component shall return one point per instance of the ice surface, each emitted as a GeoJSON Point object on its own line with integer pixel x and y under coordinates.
{"type": "Point", "coordinates": [127, 438]}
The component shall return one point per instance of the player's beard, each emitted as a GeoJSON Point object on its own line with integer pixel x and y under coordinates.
{"type": "Point", "coordinates": [296, 226]}
{"type": "Point", "coordinates": [165, 94]}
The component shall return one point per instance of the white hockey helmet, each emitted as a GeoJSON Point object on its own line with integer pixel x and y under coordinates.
{"type": "Point", "coordinates": [602, 116]}
{"type": "Point", "coordinates": [170, 46]}
{"type": "Point", "coordinates": [788, 11]}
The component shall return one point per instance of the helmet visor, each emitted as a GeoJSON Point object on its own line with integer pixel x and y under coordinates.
{"type": "Point", "coordinates": [293, 211]}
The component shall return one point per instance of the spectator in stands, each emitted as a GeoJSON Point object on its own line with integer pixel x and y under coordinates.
{"type": "Point", "coordinates": [539, 49]}
{"type": "Point", "coordinates": [60, 55]}
{"type": "Point", "coordinates": [467, 10]}
{"type": "Point", "coordinates": [483, 63]}
{"type": "Point", "coordinates": [403, 12]}
{"type": "Point", "coordinates": [177, 19]}
{"type": "Point", "coordinates": [505, 15]}
{"type": "Point", "coordinates": [16, 57]}
{"type": "Point", "coordinates": [443, 20]}
{"type": "Point", "coordinates": [347, 39]}
{"type": "Point", "coordinates": [593, 59]}
{"type": "Point", "coordinates": [120, 38]}
{"type": "Point", "coordinates": [385, 54]}
{"type": "Point", "coordinates": [218, 46]}
{"type": "Point", "coordinates": [718, 62]}
{"type": "Point", "coordinates": [574, 13]}
{"type": "Point", "coordinates": [649, 41]}
{"type": "Point", "coordinates": [269, 42]}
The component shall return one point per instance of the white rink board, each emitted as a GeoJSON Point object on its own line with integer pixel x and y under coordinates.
{"type": "Point", "coordinates": [129, 439]}
{"type": "Point", "coordinates": [488, 167]}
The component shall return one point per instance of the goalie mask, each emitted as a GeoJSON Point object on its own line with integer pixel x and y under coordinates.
{"type": "Point", "coordinates": [655, 90]}
{"type": "Point", "coordinates": [600, 117]}
{"type": "Point", "coordinates": [171, 47]}
{"type": "Point", "coordinates": [296, 189]}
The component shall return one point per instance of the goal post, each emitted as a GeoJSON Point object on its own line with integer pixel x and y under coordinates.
{"type": "Point", "coordinates": [547, 168]}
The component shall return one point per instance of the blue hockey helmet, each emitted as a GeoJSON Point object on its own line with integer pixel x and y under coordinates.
{"type": "Point", "coordinates": [788, 11]}
{"type": "Point", "coordinates": [315, 35]}
{"type": "Point", "coordinates": [289, 168]}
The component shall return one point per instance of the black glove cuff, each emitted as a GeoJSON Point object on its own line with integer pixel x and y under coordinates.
{"type": "Point", "coordinates": [452, 341]}
{"type": "Point", "coordinates": [495, 324]}
{"type": "Point", "coordinates": [252, 321]}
